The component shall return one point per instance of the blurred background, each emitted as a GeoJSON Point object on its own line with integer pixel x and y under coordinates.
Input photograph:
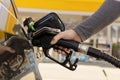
{"type": "Point", "coordinates": [72, 13]}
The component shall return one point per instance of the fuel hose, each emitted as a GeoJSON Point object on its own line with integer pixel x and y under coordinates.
{"type": "Point", "coordinates": [89, 51]}
{"type": "Point", "coordinates": [99, 54]}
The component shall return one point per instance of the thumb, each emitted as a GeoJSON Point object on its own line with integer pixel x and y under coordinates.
{"type": "Point", "coordinates": [56, 38]}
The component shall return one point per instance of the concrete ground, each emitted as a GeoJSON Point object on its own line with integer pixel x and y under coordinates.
{"type": "Point", "coordinates": [85, 71]}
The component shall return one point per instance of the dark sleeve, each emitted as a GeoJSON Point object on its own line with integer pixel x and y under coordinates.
{"type": "Point", "coordinates": [106, 14]}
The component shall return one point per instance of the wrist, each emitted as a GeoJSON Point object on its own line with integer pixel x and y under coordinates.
{"type": "Point", "coordinates": [76, 36]}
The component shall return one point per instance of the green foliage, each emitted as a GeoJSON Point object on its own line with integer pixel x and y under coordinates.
{"type": "Point", "coordinates": [116, 50]}
{"type": "Point", "coordinates": [115, 46]}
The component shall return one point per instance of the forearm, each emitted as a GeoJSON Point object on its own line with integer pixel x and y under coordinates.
{"type": "Point", "coordinates": [107, 13]}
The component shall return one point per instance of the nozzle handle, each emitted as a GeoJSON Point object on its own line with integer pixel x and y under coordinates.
{"type": "Point", "coordinates": [69, 44]}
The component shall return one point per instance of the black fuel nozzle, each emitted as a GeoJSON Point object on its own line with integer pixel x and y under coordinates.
{"type": "Point", "coordinates": [45, 29]}
{"type": "Point", "coordinates": [29, 22]}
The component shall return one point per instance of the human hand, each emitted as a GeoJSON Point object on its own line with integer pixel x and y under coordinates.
{"type": "Point", "coordinates": [5, 48]}
{"type": "Point", "coordinates": [67, 35]}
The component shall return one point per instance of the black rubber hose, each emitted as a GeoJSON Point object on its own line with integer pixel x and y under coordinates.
{"type": "Point", "coordinates": [98, 54]}
{"type": "Point", "coordinates": [91, 51]}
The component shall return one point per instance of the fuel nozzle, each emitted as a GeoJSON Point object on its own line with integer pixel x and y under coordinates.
{"type": "Point", "coordinates": [29, 22]}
